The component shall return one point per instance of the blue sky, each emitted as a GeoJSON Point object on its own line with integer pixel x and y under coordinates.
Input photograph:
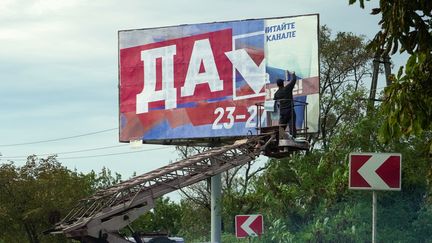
{"type": "Point", "coordinates": [58, 68]}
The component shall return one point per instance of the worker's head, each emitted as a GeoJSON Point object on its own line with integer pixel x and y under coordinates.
{"type": "Point", "coordinates": [280, 83]}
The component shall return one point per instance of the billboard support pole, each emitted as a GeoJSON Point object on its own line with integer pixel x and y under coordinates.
{"type": "Point", "coordinates": [216, 197]}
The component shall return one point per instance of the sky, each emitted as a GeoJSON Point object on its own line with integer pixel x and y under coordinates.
{"type": "Point", "coordinates": [59, 70]}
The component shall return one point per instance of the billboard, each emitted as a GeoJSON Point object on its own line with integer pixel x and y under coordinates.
{"type": "Point", "coordinates": [204, 80]}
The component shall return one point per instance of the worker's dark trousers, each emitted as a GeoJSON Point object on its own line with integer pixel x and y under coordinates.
{"type": "Point", "coordinates": [288, 117]}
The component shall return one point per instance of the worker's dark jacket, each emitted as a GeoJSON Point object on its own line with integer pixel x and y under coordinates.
{"type": "Point", "coordinates": [285, 96]}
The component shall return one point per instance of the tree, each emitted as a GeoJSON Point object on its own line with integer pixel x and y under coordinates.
{"type": "Point", "coordinates": [406, 27]}
{"type": "Point", "coordinates": [103, 179]}
{"type": "Point", "coordinates": [164, 218]}
{"type": "Point", "coordinates": [344, 63]}
{"type": "Point", "coordinates": [35, 196]}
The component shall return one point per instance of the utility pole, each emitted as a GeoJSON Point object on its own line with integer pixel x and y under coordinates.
{"type": "Point", "coordinates": [376, 65]}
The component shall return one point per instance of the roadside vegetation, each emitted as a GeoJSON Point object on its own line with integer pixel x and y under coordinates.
{"type": "Point", "coordinates": [303, 198]}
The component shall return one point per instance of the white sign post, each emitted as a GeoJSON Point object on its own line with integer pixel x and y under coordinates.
{"type": "Point", "coordinates": [375, 171]}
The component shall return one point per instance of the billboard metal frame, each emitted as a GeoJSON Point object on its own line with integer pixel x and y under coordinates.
{"type": "Point", "coordinates": [209, 141]}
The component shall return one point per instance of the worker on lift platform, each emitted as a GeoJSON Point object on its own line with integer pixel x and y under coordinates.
{"type": "Point", "coordinates": [284, 96]}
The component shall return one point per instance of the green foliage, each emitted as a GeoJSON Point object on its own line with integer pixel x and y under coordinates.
{"type": "Point", "coordinates": [340, 223]}
{"type": "Point", "coordinates": [195, 221]}
{"type": "Point", "coordinates": [103, 179]}
{"type": "Point", "coordinates": [422, 225]}
{"type": "Point", "coordinates": [309, 193]}
{"type": "Point", "coordinates": [164, 218]}
{"type": "Point", "coordinates": [278, 233]}
{"type": "Point", "coordinates": [35, 196]}
{"type": "Point", "coordinates": [40, 193]}
{"type": "Point", "coordinates": [409, 102]}
{"type": "Point", "coordinates": [406, 26]}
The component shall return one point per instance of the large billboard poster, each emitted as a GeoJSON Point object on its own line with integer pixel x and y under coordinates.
{"type": "Point", "coordinates": [204, 80]}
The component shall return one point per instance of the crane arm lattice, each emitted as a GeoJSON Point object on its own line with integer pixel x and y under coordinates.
{"type": "Point", "coordinates": [113, 208]}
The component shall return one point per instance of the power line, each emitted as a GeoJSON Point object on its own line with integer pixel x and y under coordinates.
{"type": "Point", "coordinates": [58, 139]}
{"type": "Point", "coordinates": [105, 155]}
{"type": "Point", "coordinates": [66, 152]}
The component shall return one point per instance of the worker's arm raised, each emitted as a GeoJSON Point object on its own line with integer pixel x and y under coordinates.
{"type": "Point", "coordinates": [291, 83]}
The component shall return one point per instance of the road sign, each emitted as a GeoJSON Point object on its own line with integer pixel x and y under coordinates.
{"type": "Point", "coordinates": [375, 171]}
{"type": "Point", "coordinates": [249, 225]}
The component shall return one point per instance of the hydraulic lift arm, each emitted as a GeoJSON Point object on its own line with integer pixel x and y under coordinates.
{"type": "Point", "coordinates": [99, 217]}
